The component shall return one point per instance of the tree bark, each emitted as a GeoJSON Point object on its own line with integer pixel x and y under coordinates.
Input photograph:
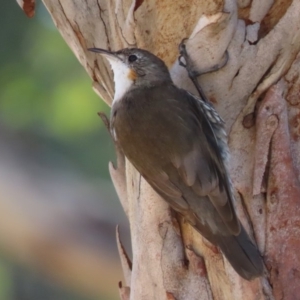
{"type": "Point", "coordinates": [256, 93]}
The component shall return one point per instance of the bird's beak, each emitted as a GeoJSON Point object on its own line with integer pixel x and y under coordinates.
{"type": "Point", "coordinates": [109, 55]}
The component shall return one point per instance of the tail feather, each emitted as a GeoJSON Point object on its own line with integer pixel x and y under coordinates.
{"type": "Point", "coordinates": [239, 250]}
{"type": "Point", "coordinates": [242, 254]}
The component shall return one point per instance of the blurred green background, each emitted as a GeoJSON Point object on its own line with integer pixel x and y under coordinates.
{"type": "Point", "coordinates": [54, 148]}
{"type": "Point", "coordinates": [46, 93]}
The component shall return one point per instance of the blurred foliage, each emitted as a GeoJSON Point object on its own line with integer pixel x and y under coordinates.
{"type": "Point", "coordinates": [46, 99]}
{"type": "Point", "coordinates": [5, 281]}
{"type": "Point", "coordinates": [45, 92]}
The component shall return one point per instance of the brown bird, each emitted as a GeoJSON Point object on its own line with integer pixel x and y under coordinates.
{"type": "Point", "coordinates": [178, 143]}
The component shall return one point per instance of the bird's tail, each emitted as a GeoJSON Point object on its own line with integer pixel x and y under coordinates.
{"type": "Point", "coordinates": [242, 254]}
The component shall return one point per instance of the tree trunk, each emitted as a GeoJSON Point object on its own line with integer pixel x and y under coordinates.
{"type": "Point", "coordinates": [256, 93]}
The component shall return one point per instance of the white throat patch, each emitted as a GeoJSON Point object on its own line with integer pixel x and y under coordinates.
{"type": "Point", "coordinates": [123, 80]}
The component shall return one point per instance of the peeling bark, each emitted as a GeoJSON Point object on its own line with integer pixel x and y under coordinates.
{"type": "Point", "coordinates": [28, 7]}
{"type": "Point", "coordinates": [256, 93]}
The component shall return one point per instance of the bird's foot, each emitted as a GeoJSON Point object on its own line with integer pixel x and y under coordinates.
{"type": "Point", "coordinates": [190, 67]}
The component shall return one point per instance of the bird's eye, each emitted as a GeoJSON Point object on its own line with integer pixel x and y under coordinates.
{"type": "Point", "coordinates": [132, 58]}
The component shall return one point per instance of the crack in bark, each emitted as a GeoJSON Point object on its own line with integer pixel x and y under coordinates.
{"type": "Point", "coordinates": [244, 206]}
{"type": "Point", "coordinates": [122, 249]}
{"type": "Point", "coordinates": [234, 77]}
{"type": "Point", "coordinates": [104, 24]}
{"type": "Point", "coordinates": [267, 288]}
{"type": "Point", "coordinates": [117, 21]}
{"type": "Point", "coordinates": [80, 36]}
{"type": "Point", "coordinates": [68, 21]}
{"type": "Point", "coordinates": [121, 31]}
{"type": "Point", "coordinates": [266, 173]}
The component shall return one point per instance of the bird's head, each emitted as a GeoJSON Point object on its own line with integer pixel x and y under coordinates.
{"type": "Point", "coordinates": [133, 67]}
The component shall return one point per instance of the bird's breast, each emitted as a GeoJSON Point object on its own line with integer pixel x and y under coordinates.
{"type": "Point", "coordinates": [141, 131]}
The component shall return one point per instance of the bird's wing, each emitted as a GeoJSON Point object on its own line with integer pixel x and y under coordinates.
{"type": "Point", "coordinates": [201, 165]}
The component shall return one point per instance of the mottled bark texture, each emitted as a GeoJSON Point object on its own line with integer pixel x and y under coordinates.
{"type": "Point", "coordinates": [257, 94]}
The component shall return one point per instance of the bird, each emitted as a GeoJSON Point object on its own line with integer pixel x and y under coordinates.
{"type": "Point", "coordinates": [178, 143]}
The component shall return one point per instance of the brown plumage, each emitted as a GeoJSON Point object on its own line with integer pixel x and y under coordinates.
{"type": "Point", "coordinates": [178, 144]}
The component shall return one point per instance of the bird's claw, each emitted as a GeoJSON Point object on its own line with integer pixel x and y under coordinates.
{"type": "Point", "coordinates": [218, 66]}
{"type": "Point", "coordinates": [189, 66]}
{"type": "Point", "coordinates": [182, 53]}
